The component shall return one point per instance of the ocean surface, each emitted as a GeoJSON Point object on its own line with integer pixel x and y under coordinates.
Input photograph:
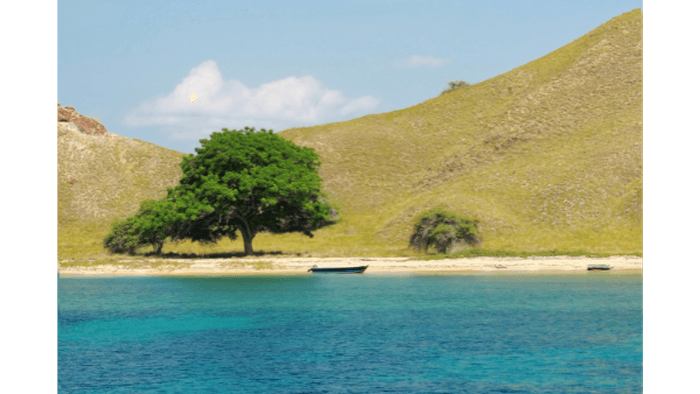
{"type": "Point", "coordinates": [351, 334]}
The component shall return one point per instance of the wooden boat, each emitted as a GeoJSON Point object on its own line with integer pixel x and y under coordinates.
{"type": "Point", "coordinates": [602, 267]}
{"type": "Point", "coordinates": [358, 269]}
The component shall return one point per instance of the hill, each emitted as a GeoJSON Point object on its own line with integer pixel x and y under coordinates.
{"type": "Point", "coordinates": [546, 156]}
{"type": "Point", "coordinates": [103, 176]}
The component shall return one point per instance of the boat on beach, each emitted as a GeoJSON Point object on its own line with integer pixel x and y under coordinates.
{"type": "Point", "coordinates": [358, 269]}
{"type": "Point", "coordinates": [602, 267]}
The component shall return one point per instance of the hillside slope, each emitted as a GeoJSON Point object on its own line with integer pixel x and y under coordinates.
{"type": "Point", "coordinates": [103, 176]}
{"type": "Point", "coordinates": [548, 155]}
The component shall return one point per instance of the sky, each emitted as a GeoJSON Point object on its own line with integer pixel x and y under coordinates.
{"type": "Point", "coordinates": [134, 65]}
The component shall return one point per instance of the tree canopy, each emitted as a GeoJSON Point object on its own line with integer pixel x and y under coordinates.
{"type": "Point", "coordinates": [443, 230]}
{"type": "Point", "coordinates": [152, 224]}
{"type": "Point", "coordinates": [248, 182]}
{"type": "Point", "coordinates": [451, 86]}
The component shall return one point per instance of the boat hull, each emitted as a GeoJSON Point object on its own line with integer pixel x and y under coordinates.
{"type": "Point", "coordinates": [339, 270]}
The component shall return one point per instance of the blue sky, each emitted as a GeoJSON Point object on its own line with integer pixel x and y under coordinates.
{"type": "Point", "coordinates": [282, 64]}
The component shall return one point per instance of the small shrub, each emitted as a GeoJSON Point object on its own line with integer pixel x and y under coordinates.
{"type": "Point", "coordinates": [152, 224]}
{"type": "Point", "coordinates": [123, 237]}
{"type": "Point", "coordinates": [444, 231]}
{"type": "Point", "coordinates": [455, 85]}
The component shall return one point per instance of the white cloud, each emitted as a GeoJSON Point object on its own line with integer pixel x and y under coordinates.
{"type": "Point", "coordinates": [422, 61]}
{"type": "Point", "coordinates": [288, 102]}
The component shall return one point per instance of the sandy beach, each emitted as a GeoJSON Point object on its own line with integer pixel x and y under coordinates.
{"type": "Point", "coordinates": [377, 265]}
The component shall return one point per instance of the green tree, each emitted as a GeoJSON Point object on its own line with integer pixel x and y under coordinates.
{"type": "Point", "coordinates": [151, 225]}
{"type": "Point", "coordinates": [443, 230]}
{"type": "Point", "coordinates": [123, 236]}
{"type": "Point", "coordinates": [455, 85]}
{"type": "Point", "coordinates": [248, 182]}
{"type": "Point", "coordinates": [157, 219]}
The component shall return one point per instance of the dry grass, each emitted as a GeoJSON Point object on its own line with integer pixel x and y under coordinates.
{"type": "Point", "coordinates": [132, 264]}
{"type": "Point", "coordinates": [547, 156]}
{"type": "Point", "coordinates": [102, 178]}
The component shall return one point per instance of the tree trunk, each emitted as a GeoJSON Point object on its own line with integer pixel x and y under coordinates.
{"type": "Point", "coordinates": [157, 247]}
{"type": "Point", "coordinates": [248, 234]}
{"type": "Point", "coordinates": [247, 242]}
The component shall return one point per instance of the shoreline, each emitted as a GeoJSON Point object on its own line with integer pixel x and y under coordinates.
{"type": "Point", "coordinates": [536, 265]}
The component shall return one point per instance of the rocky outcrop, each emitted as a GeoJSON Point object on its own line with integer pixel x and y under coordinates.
{"type": "Point", "coordinates": [84, 124]}
{"type": "Point", "coordinates": [103, 176]}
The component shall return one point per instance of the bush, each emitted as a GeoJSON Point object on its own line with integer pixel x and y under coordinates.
{"type": "Point", "coordinates": [455, 85]}
{"type": "Point", "coordinates": [151, 225]}
{"type": "Point", "coordinates": [123, 237]}
{"type": "Point", "coordinates": [444, 231]}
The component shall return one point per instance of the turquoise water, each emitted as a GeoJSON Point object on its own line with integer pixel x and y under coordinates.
{"type": "Point", "coordinates": [351, 334]}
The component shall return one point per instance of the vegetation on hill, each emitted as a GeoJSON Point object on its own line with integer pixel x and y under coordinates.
{"type": "Point", "coordinates": [451, 86]}
{"type": "Point", "coordinates": [548, 156]}
{"type": "Point", "coordinates": [102, 178]}
{"type": "Point", "coordinates": [240, 181]}
{"type": "Point", "coordinates": [152, 225]}
{"type": "Point", "coordinates": [444, 230]}
{"type": "Point", "coordinates": [248, 182]}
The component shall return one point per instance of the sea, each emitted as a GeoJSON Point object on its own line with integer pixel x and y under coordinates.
{"type": "Point", "coordinates": [368, 333]}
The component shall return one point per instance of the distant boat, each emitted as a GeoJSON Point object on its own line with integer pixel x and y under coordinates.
{"type": "Point", "coordinates": [358, 269]}
{"type": "Point", "coordinates": [602, 267]}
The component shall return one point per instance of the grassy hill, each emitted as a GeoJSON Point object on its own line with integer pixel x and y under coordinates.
{"type": "Point", "coordinates": [546, 156]}
{"type": "Point", "coordinates": [102, 177]}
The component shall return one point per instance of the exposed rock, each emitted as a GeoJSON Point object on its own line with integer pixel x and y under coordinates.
{"type": "Point", "coordinates": [105, 177]}
{"type": "Point", "coordinates": [84, 123]}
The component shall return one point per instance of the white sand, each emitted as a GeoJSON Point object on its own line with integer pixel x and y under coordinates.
{"type": "Point", "coordinates": [377, 265]}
